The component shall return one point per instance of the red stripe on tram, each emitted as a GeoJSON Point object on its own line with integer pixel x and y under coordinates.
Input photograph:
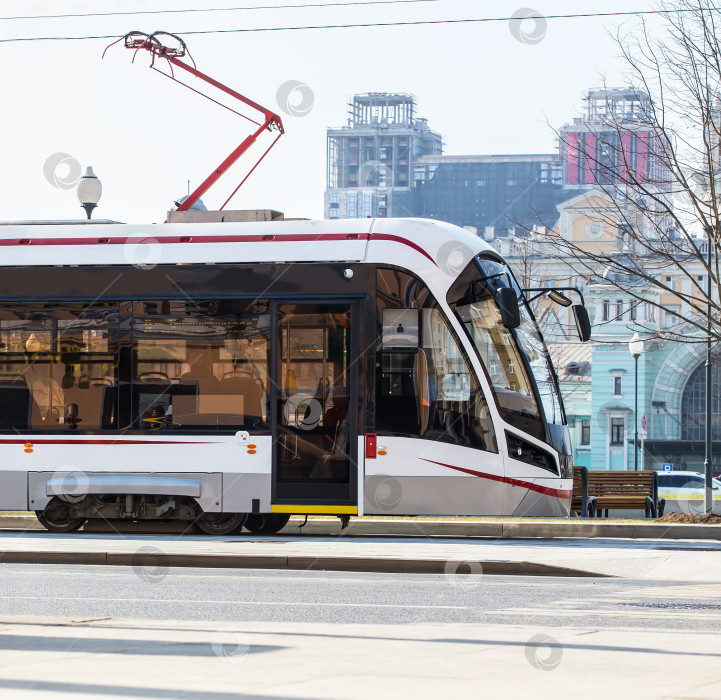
{"type": "Point", "coordinates": [545, 490]}
{"type": "Point", "coordinates": [77, 441]}
{"type": "Point", "coordinates": [149, 239]}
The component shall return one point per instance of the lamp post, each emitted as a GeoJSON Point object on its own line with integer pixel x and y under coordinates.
{"type": "Point", "coordinates": [708, 459]}
{"type": "Point", "coordinates": [89, 191]}
{"type": "Point", "coordinates": [635, 347]}
{"type": "Point", "coordinates": [708, 190]}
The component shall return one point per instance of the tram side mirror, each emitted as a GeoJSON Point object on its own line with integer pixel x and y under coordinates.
{"type": "Point", "coordinates": [583, 322]}
{"type": "Point", "coordinates": [508, 305]}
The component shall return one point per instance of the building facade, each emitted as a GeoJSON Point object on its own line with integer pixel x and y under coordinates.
{"type": "Point", "coordinates": [612, 138]}
{"type": "Point", "coordinates": [387, 162]}
{"type": "Point", "coordinates": [572, 361]}
{"type": "Point", "coordinates": [670, 382]}
{"type": "Point", "coordinates": [371, 159]}
{"type": "Point", "coordinates": [492, 193]}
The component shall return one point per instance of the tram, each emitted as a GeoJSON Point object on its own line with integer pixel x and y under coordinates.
{"type": "Point", "coordinates": [233, 374]}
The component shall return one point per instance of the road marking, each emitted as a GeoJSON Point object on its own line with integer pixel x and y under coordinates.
{"type": "Point", "coordinates": [289, 575]}
{"type": "Point", "coordinates": [602, 613]}
{"type": "Point", "coordinates": [241, 602]}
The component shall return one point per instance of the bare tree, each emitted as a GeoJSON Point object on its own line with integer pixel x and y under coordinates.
{"type": "Point", "coordinates": [525, 263]}
{"type": "Point", "coordinates": [656, 172]}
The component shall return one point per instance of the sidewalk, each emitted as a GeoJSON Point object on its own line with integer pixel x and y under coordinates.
{"type": "Point", "coordinates": [691, 561]}
{"type": "Point", "coordinates": [59, 658]}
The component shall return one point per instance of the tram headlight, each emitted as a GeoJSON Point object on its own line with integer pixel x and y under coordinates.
{"type": "Point", "coordinates": [529, 453]}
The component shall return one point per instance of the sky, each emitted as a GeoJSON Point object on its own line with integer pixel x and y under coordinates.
{"type": "Point", "coordinates": [484, 86]}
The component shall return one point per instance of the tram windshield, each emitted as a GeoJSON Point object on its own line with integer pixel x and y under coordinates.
{"type": "Point", "coordinates": [516, 361]}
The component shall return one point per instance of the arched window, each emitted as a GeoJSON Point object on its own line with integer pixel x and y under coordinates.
{"type": "Point", "coordinates": [693, 403]}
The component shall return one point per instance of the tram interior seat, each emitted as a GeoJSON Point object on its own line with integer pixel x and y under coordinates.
{"type": "Point", "coordinates": [109, 403]}
{"type": "Point", "coordinates": [16, 403]}
{"type": "Point", "coordinates": [399, 398]}
{"type": "Point", "coordinates": [207, 383]}
{"type": "Point", "coordinates": [89, 397]}
{"type": "Point", "coordinates": [245, 385]}
{"type": "Point", "coordinates": [153, 396]}
{"type": "Point", "coordinates": [334, 465]}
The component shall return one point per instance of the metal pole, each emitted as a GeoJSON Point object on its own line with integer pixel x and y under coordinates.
{"type": "Point", "coordinates": [635, 420]}
{"type": "Point", "coordinates": [708, 461]}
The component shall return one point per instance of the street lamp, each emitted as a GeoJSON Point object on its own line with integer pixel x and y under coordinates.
{"type": "Point", "coordinates": [89, 191]}
{"type": "Point", "coordinates": [635, 347]}
{"type": "Point", "coordinates": [708, 460]}
{"type": "Point", "coordinates": [703, 181]}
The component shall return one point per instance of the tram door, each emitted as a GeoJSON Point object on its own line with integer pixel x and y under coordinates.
{"type": "Point", "coordinates": [314, 408]}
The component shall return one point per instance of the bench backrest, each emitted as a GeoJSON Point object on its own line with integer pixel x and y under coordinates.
{"type": "Point", "coordinates": [580, 480]}
{"type": "Point", "coordinates": [579, 501]}
{"type": "Point", "coordinates": [623, 483]}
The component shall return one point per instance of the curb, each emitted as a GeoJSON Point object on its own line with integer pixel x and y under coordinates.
{"type": "Point", "coordinates": [154, 560]}
{"type": "Point", "coordinates": [422, 527]}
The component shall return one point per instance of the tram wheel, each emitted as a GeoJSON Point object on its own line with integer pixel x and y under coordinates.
{"type": "Point", "coordinates": [221, 523]}
{"type": "Point", "coordinates": [266, 523]}
{"type": "Point", "coordinates": [56, 518]}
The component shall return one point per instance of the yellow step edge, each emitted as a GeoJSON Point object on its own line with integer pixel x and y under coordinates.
{"type": "Point", "coordinates": [310, 510]}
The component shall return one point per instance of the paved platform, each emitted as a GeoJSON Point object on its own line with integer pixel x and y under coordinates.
{"type": "Point", "coordinates": [427, 527]}
{"type": "Point", "coordinates": [687, 560]}
{"type": "Point", "coordinates": [59, 658]}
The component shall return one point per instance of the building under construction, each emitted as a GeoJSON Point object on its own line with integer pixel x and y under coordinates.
{"type": "Point", "coordinates": [613, 137]}
{"type": "Point", "coordinates": [371, 160]}
{"type": "Point", "coordinates": [387, 162]}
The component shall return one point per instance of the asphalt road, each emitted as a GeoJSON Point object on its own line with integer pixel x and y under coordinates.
{"type": "Point", "coordinates": [96, 592]}
{"type": "Point", "coordinates": [220, 634]}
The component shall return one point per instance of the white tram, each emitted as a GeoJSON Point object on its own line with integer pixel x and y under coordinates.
{"type": "Point", "coordinates": [236, 373]}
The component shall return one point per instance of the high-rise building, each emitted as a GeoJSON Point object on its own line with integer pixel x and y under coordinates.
{"type": "Point", "coordinates": [371, 160]}
{"type": "Point", "coordinates": [387, 162]}
{"type": "Point", "coordinates": [491, 193]}
{"type": "Point", "coordinates": [612, 139]}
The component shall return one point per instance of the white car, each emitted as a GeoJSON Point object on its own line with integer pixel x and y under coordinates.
{"type": "Point", "coordinates": [684, 483]}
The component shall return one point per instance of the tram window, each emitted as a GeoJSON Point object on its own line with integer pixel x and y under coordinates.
{"type": "Point", "coordinates": [502, 351]}
{"type": "Point", "coordinates": [58, 366]}
{"type": "Point", "coordinates": [430, 391]}
{"type": "Point", "coordinates": [313, 394]}
{"type": "Point", "coordinates": [199, 366]}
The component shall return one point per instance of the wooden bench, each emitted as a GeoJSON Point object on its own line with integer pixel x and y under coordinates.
{"type": "Point", "coordinates": [625, 490]}
{"type": "Point", "coordinates": [581, 503]}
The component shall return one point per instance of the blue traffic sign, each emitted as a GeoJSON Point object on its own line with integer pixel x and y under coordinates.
{"type": "Point", "coordinates": [667, 467]}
